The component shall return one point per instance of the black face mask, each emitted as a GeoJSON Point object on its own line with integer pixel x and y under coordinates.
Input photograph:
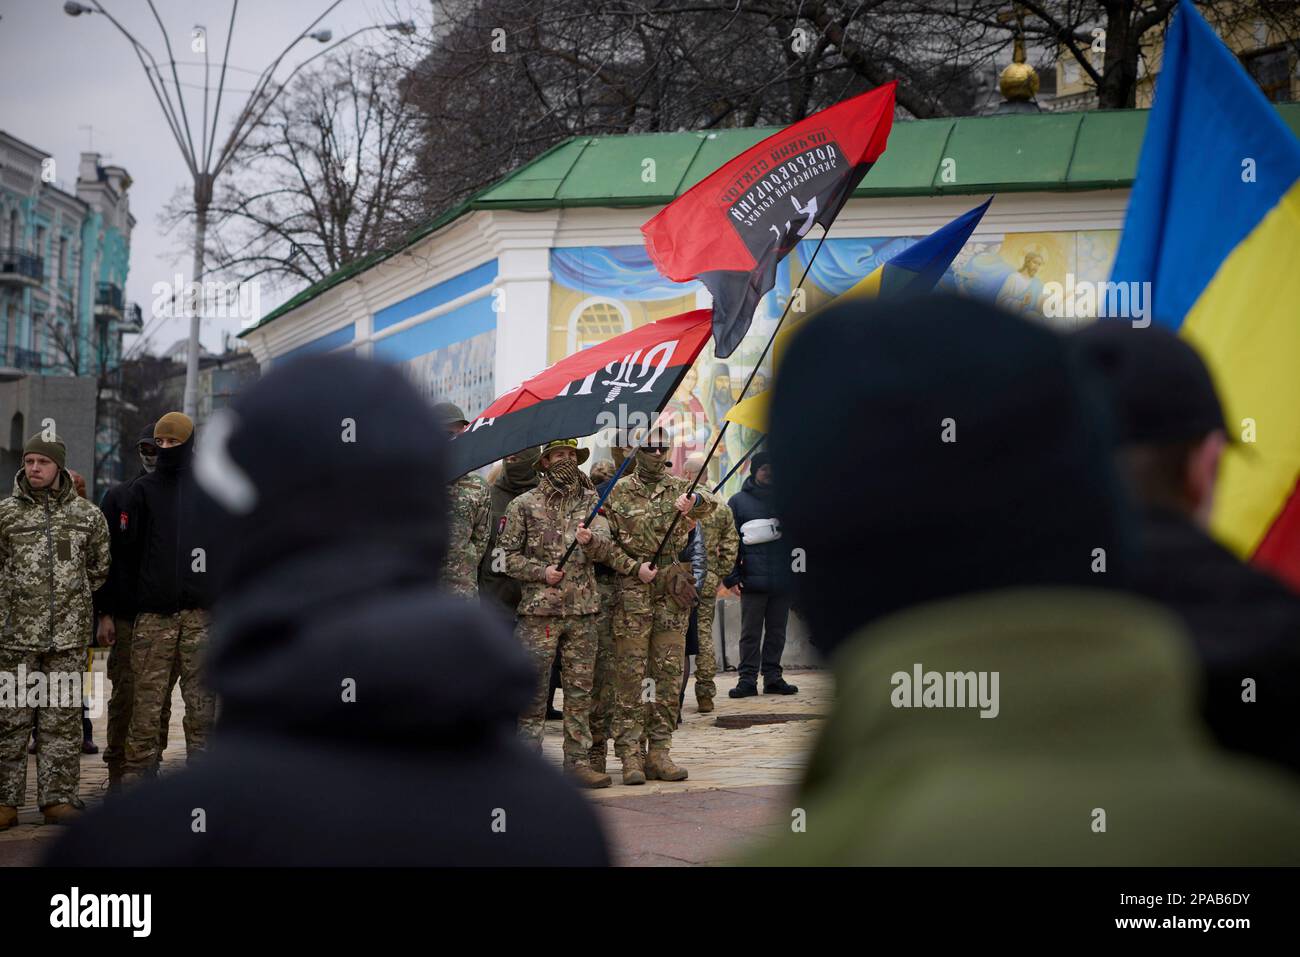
{"type": "Point", "coordinates": [175, 458]}
{"type": "Point", "coordinates": [519, 475]}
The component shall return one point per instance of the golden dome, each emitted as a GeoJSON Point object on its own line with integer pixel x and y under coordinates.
{"type": "Point", "coordinates": [1019, 82]}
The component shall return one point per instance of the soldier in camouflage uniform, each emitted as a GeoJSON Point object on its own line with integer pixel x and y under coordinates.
{"type": "Point", "coordinates": [53, 554]}
{"type": "Point", "coordinates": [721, 545]}
{"type": "Point", "coordinates": [518, 475]}
{"type": "Point", "coordinates": [559, 606]}
{"type": "Point", "coordinates": [467, 514]}
{"type": "Point", "coordinates": [650, 623]}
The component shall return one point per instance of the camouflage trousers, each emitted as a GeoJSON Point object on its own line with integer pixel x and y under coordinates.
{"type": "Point", "coordinates": [58, 732]}
{"type": "Point", "coordinates": [122, 698]}
{"type": "Point", "coordinates": [649, 655]}
{"type": "Point", "coordinates": [706, 659]}
{"type": "Point", "coordinates": [575, 636]}
{"type": "Point", "coordinates": [159, 644]}
{"type": "Point", "coordinates": [602, 690]}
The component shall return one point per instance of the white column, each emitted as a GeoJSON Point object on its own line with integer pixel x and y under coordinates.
{"type": "Point", "coordinates": [522, 292]}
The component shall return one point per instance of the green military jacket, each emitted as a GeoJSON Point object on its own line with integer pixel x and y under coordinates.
{"type": "Point", "coordinates": [639, 514]}
{"type": "Point", "coordinates": [1093, 751]}
{"type": "Point", "coordinates": [53, 555]}
{"type": "Point", "coordinates": [721, 543]}
{"type": "Point", "coordinates": [536, 535]}
{"type": "Point", "coordinates": [467, 533]}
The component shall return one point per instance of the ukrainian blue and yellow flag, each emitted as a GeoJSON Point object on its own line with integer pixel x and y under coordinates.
{"type": "Point", "coordinates": [916, 270]}
{"type": "Point", "coordinates": [1214, 225]}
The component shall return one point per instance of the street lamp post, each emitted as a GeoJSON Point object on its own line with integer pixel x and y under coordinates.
{"type": "Point", "coordinates": [203, 166]}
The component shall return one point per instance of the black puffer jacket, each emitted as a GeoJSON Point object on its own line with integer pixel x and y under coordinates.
{"type": "Point", "coordinates": [170, 576]}
{"type": "Point", "coordinates": [765, 567]}
{"type": "Point", "coordinates": [1244, 624]}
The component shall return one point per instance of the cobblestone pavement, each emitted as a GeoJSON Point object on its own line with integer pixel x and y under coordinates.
{"type": "Point", "coordinates": [741, 780]}
{"type": "Point", "coordinates": [739, 789]}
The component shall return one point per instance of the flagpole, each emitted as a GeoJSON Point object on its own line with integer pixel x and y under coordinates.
{"type": "Point", "coordinates": [745, 388]}
{"type": "Point", "coordinates": [743, 459]}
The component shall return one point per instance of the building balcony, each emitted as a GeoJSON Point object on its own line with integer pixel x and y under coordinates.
{"type": "Point", "coordinates": [16, 363]}
{"type": "Point", "coordinates": [21, 269]}
{"type": "Point", "coordinates": [108, 300]}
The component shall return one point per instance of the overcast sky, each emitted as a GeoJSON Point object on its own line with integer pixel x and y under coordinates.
{"type": "Point", "coordinates": [59, 74]}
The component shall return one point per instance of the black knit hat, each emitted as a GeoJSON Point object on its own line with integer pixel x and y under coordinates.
{"type": "Point", "coordinates": [959, 449]}
{"type": "Point", "coordinates": [327, 450]}
{"type": "Point", "coordinates": [1159, 387]}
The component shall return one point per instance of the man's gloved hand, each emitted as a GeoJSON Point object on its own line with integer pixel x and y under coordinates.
{"type": "Point", "coordinates": [679, 585]}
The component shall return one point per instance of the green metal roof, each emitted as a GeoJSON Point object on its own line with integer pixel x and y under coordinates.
{"type": "Point", "coordinates": [991, 154]}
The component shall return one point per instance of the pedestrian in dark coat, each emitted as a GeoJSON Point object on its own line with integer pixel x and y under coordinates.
{"type": "Point", "coordinates": [367, 715]}
{"type": "Point", "coordinates": [1244, 623]}
{"type": "Point", "coordinates": [763, 575]}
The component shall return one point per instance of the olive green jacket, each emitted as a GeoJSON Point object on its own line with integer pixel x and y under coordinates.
{"type": "Point", "coordinates": [1096, 756]}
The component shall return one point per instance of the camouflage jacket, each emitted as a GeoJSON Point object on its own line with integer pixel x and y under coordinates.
{"type": "Point", "coordinates": [467, 534]}
{"type": "Point", "coordinates": [53, 555]}
{"type": "Point", "coordinates": [639, 514]}
{"type": "Point", "coordinates": [721, 542]}
{"type": "Point", "coordinates": [537, 534]}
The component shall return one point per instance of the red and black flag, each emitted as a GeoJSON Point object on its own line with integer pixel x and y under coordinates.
{"type": "Point", "coordinates": [622, 383]}
{"type": "Point", "coordinates": [731, 229]}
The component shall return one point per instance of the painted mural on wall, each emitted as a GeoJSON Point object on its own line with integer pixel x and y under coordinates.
{"type": "Point", "coordinates": [600, 292]}
{"type": "Point", "coordinates": [461, 372]}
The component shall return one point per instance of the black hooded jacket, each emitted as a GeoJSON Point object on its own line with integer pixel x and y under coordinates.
{"type": "Point", "coordinates": [367, 717]}
{"type": "Point", "coordinates": [1244, 624]}
{"type": "Point", "coordinates": [117, 595]}
{"type": "Point", "coordinates": [765, 567]}
{"type": "Point", "coordinates": [414, 770]}
{"type": "Point", "coordinates": [161, 539]}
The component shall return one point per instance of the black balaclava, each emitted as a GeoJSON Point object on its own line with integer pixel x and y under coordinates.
{"type": "Point", "coordinates": [893, 515]}
{"type": "Point", "coordinates": [520, 475]}
{"type": "Point", "coordinates": [177, 458]}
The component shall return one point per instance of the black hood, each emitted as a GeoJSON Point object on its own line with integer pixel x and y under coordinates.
{"type": "Point", "coordinates": [364, 623]}
{"type": "Point", "coordinates": [330, 450]}
{"type": "Point", "coordinates": [751, 486]}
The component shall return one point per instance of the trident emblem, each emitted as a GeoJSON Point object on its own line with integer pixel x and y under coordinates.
{"type": "Point", "coordinates": [623, 378]}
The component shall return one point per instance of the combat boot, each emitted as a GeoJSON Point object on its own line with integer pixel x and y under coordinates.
{"type": "Point", "coordinates": [585, 777]}
{"type": "Point", "coordinates": [599, 752]}
{"type": "Point", "coordinates": [8, 817]}
{"type": "Point", "coordinates": [705, 705]}
{"type": "Point", "coordinates": [660, 767]}
{"type": "Point", "coordinates": [60, 813]}
{"type": "Point", "coordinates": [633, 769]}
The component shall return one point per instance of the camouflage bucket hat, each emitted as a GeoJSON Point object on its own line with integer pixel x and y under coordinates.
{"type": "Point", "coordinates": [583, 454]}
